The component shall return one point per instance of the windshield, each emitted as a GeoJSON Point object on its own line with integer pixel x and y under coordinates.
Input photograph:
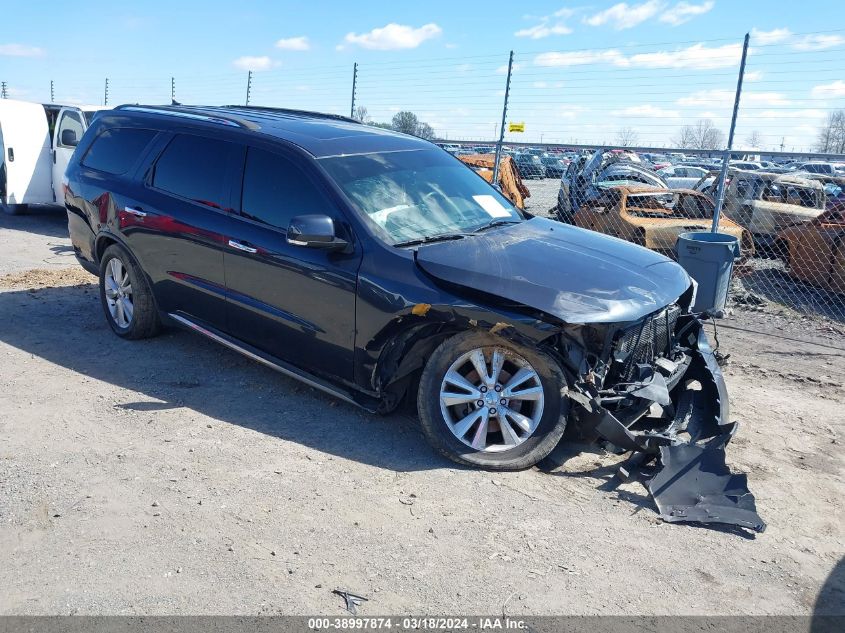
{"type": "Point", "coordinates": [418, 194]}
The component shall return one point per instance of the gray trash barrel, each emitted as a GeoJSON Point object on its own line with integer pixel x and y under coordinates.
{"type": "Point", "coordinates": [709, 259]}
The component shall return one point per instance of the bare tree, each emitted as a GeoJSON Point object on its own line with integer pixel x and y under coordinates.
{"type": "Point", "coordinates": [361, 114]}
{"type": "Point", "coordinates": [754, 140]}
{"type": "Point", "coordinates": [832, 133]}
{"type": "Point", "coordinates": [627, 137]}
{"type": "Point", "coordinates": [703, 135]}
{"type": "Point", "coordinates": [405, 122]}
{"type": "Point", "coordinates": [685, 138]}
{"type": "Point", "coordinates": [424, 130]}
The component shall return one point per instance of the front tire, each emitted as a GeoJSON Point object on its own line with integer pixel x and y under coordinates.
{"type": "Point", "coordinates": [126, 296]}
{"type": "Point", "coordinates": [486, 401]}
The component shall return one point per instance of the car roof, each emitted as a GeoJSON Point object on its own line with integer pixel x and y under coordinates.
{"type": "Point", "coordinates": [320, 134]}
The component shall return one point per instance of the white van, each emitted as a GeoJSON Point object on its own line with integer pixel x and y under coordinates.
{"type": "Point", "coordinates": [37, 141]}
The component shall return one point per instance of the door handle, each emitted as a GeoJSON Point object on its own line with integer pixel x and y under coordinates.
{"type": "Point", "coordinates": [242, 247]}
{"type": "Point", "coordinates": [136, 212]}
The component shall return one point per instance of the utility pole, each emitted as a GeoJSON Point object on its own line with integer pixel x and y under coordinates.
{"type": "Point", "coordinates": [172, 90]}
{"type": "Point", "coordinates": [720, 192]}
{"type": "Point", "coordinates": [354, 85]}
{"type": "Point", "coordinates": [3, 90]}
{"type": "Point", "coordinates": [52, 94]}
{"type": "Point", "coordinates": [106, 93]}
{"type": "Point", "coordinates": [248, 86]}
{"type": "Point", "coordinates": [782, 141]}
{"type": "Point", "coordinates": [502, 128]}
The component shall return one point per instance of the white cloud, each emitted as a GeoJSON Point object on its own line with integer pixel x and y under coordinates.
{"type": "Point", "coordinates": [544, 29]}
{"type": "Point", "coordinates": [503, 70]}
{"type": "Point", "coordinates": [548, 25]}
{"type": "Point", "coordinates": [580, 58]}
{"type": "Point", "coordinates": [753, 75]}
{"type": "Point", "coordinates": [647, 111]}
{"type": "Point", "coordinates": [818, 42]}
{"type": "Point", "coordinates": [810, 113]}
{"type": "Point", "coordinates": [697, 56]}
{"type": "Point", "coordinates": [775, 36]}
{"type": "Point", "coordinates": [248, 62]}
{"type": "Point", "coordinates": [685, 11]}
{"type": "Point", "coordinates": [624, 16]}
{"type": "Point", "coordinates": [21, 50]}
{"type": "Point", "coordinates": [394, 37]}
{"type": "Point", "coordinates": [725, 99]}
{"type": "Point", "coordinates": [826, 91]}
{"type": "Point", "coordinates": [300, 43]}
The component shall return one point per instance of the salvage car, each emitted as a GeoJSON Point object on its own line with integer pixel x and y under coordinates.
{"type": "Point", "coordinates": [815, 250]}
{"type": "Point", "coordinates": [36, 142]}
{"type": "Point", "coordinates": [682, 176]}
{"type": "Point", "coordinates": [587, 177]}
{"type": "Point", "coordinates": [654, 218]}
{"type": "Point", "coordinates": [374, 266]}
{"type": "Point", "coordinates": [554, 165]}
{"type": "Point", "coordinates": [510, 183]}
{"type": "Point", "coordinates": [765, 202]}
{"type": "Point", "coordinates": [530, 166]}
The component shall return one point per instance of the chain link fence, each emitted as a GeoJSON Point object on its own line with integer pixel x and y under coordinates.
{"type": "Point", "coordinates": [632, 141]}
{"type": "Point", "coordinates": [790, 222]}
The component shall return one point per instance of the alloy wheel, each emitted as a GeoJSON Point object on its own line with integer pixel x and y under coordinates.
{"type": "Point", "coordinates": [119, 293]}
{"type": "Point", "coordinates": [491, 399]}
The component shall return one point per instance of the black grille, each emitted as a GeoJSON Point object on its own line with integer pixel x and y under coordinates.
{"type": "Point", "coordinates": [645, 341]}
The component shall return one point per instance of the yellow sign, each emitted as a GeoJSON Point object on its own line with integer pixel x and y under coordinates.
{"type": "Point", "coordinates": [516, 127]}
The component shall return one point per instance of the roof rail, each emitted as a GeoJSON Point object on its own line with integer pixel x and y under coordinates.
{"type": "Point", "coordinates": [308, 113]}
{"type": "Point", "coordinates": [176, 112]}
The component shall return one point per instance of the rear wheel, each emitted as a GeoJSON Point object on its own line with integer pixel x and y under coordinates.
{"type": "Point", "coordinates": [126, 296]}
{"type": "Point", "coordinates": [485, 401]}
{"type": "Point", "coordinates": [13, 209]}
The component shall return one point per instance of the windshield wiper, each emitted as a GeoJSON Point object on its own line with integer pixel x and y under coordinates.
{"type": "Point", "coordinates": [495, 223]}
{"type": "Point", "coordinates": [433, 238]}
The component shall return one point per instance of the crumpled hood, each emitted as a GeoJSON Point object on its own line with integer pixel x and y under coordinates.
{"type": "Point", "coordinates": [574, 274]}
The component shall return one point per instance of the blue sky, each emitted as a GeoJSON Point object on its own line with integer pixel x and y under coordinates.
{"type": "Point", "coordinates": [582, 70]}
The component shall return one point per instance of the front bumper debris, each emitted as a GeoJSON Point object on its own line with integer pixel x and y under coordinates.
{"type": "Point", "coordinates": [679, 451]}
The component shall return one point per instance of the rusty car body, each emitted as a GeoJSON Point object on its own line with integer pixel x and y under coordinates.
{"type": "Point", "coordinates": [815, 251]}
{"type": "Point", "coordinates": [510, 182]}
{"type": "Point", "coordinates": [653, 217]}
{"type": "Point", "coordinates": [765, 203]}
{"type": "Point", "coordinates": [587, 178]}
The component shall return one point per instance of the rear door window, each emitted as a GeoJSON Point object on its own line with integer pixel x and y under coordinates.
{"type": "Point", "coordinates": [196, 168]}
{"type": "Point", "coordinates": [115, 150]}
{"type": "Point", "coordinates": [275, 190]}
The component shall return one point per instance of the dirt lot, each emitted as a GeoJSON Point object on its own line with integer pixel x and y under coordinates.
{"type": "Point", "coordinates": [171, 476]}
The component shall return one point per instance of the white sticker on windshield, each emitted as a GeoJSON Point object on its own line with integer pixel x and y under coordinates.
{"type": "Point", "coordinates": [492, 206]}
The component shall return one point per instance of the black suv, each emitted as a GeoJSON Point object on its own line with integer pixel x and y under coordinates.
{"type": "Point", "coordinates": [374, 265]}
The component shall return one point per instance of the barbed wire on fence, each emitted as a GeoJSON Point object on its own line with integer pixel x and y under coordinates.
{"type": "Point", "coordinates": [658, 114]}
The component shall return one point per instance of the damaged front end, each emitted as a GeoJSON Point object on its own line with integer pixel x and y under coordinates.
{"type": "Point", "coordinates": [657, 392]}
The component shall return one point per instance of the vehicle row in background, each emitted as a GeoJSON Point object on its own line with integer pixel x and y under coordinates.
{"type": "Point", "coordinates": [794, 215]}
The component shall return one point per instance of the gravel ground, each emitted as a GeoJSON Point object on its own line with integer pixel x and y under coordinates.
{"type": "Point", "coordinates": [172, 476]}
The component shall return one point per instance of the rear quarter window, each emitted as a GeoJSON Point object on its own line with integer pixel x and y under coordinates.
{"type": "Point", "coordinates": [196, 168]}
{"type": "Point", "coordinates": [115, 150]}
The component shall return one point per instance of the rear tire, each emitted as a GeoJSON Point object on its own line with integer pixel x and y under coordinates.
{"type": "Point", "coordinates": [14, 209]}
{"type": "Point", "coordinates": [471, 434]}
{"type": "Point", "coordinates": [126, 296]}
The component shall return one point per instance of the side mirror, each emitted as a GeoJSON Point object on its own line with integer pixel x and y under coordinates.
{"type": "Point", "coordinates": [69, 138]}
{"type": "Point", "coordinates": [314, 231]}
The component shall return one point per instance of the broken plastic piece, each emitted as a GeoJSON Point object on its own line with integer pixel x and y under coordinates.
{"type": "Point", "coordinates": [696, 485]}
{"type": "Point", "coordinates": [353, 601]}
